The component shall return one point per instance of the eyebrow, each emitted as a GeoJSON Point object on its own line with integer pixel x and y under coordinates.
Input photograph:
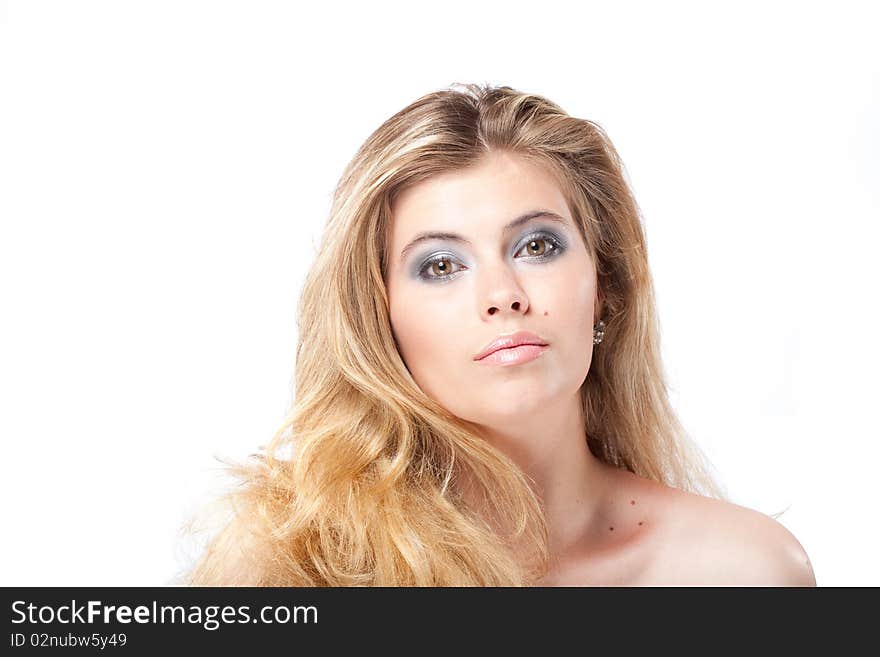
{"type": "Point", "coordinates": [455, 237]}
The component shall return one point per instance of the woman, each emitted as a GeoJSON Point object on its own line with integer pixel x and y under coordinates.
{"type": "Point", "coordinates": [479, 396]}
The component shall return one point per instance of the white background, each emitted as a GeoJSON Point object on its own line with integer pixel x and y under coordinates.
{"type": "Point", "coordinates": [166, 169]}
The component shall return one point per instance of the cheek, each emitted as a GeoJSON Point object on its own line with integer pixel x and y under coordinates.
{"type": "Point", "coordinates": [425, 330]}
{"type": "Point", "coordinates": [572, 298]}
{"type": "Point", "coordinates": [580, 311]}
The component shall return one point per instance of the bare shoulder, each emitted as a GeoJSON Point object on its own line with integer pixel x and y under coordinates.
{"type": "Point", "coordinates": [717, 543]}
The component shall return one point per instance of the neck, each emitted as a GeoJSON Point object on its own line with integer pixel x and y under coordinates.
{"type": "Point", "coordinates": [550, 447]}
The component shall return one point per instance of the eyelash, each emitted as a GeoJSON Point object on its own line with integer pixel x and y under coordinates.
{"type": "Point", "coordinates": [558, 248]}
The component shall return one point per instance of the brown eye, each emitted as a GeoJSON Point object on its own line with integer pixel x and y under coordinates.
{"type": "Point", "coordinates": [440, 267]}
{"type": "Point", "coordinates": [539, 247]}
{"type": "Point", "coordinates": [536, 247]}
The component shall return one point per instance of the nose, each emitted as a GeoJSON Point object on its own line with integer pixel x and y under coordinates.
{"type": "Point", "coordinates": [503, 293]}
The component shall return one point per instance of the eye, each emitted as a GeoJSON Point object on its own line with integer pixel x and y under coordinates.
{"type": "Point", "coordinates": [541, 246]}
{"type": "Point", "coordinates": [438, 267]}
{"type": "Point", "coordinates": [538, 246]}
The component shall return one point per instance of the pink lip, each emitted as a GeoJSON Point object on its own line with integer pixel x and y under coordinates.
{"type": "Point", "coordinates": [514, 355]}
{"type": "Point", "coordinates": [515, 342]}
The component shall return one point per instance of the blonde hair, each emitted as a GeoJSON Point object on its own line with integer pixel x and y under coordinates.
{"type": "Point", "coordinates": [362, 485]}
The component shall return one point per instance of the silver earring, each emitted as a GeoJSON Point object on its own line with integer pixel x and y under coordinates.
{"type": "Point", "coordinates": [598, 332]}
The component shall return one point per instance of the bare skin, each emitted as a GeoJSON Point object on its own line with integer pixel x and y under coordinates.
{"type": "Point", "coordinates": [449, 297]}
{"type": "Point", "coordinates": [648, 534]}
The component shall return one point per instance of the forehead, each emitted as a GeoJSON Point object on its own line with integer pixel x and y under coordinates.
{"type": "Point", "coordinates": [476, 201]}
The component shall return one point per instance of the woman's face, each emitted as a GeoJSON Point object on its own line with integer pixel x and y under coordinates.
{"type": "Point", "coordinates": [449, 297]}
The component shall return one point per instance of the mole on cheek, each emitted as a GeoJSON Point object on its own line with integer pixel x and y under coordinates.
{"type": "Point", "coordinates": [640, 524]}
{"type": "Point", "coordinates": [545, 312]}
{"type": "Point", "coordinates": [632, 501]}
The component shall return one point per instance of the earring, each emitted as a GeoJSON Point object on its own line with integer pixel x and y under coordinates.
{"type": "Point", "coordinates": [598, 332]}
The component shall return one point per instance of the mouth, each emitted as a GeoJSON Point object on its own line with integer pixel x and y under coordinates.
{"type": "Point", "coordinates": [511, 341]}
{"type": "Point", "coordinates": [517, 355]}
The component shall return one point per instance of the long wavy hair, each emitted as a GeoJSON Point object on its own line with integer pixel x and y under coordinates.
{"type": "Point", "coordinates": [363, 484]}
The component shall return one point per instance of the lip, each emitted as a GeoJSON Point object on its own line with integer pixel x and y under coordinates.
{"type": "Point", "coordinates": [514, 355]}
{"type": "Point", "coordinates": [511, 340]}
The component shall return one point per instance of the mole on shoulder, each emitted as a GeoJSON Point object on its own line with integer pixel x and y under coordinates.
{"type": "Point", "coordinates": [545, 312]}
{"type": "Point", "coordinates": [611, 528]}
{"type": "Point", "coordinates": [640, 523]}
{"type": "Point", "coordinates": [632, 501]}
